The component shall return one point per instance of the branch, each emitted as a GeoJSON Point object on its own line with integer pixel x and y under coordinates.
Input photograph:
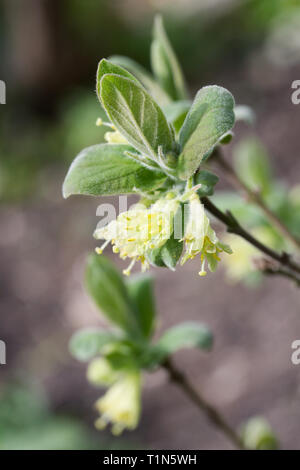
{"type": "Point", "coordinates": [209, 410]}
{"type": "Point", "coordinates": [233, 226]}
{"type": "Point", "coordinates": [270, 268]}
{"type": "Point", "coordinates": [255, 197]}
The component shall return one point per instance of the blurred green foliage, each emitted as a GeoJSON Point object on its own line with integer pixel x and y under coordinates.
{"type": "Point", "coordinates": [26, 151]}
{"type": "Point", "coordinates": [27, 423]}
{"type": "Point", "coordinates": [34, 136]}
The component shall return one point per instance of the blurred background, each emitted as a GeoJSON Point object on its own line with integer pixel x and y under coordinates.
{"type": "Point", "coordinates": [49, 52]}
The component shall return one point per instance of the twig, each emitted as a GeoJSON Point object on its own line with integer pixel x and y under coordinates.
{"type": "Point", "coordinates": [233, 226]}
{"type": "Point", "coordinates": [255, 197]}
{"type": "Point", "coordinates": [210, 411]}
{"type": "Point", "coordinates": [270, 268]}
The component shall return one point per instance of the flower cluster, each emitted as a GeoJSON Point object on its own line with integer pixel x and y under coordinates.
{"type": "Point", "coordinates": [138, 231]}
{"type": "Point", "coordinates": [135, 232]}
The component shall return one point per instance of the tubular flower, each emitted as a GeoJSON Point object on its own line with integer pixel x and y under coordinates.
{"type": "Point", "coordinates": [135, 232]}
{"type": "Point", "coordinates": [121, 405]}
{"type": "Point", "coordinates": [101, 373]}
{"type": "Point", "coordinates": [115, 137]}
{"type": "Point", "coordinates": [200, 238]}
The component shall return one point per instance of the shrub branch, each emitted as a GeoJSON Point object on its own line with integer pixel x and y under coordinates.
{"type": "Point", "coordinates": [209, 410]}
{"type": "Point", "coordinates": [255, 197]}
{"type": "Point", "coordinates": [233, 226]}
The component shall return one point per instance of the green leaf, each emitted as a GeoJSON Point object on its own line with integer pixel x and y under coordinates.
{"type": "Point", "coordinates": [176, 112]}
{"type": "Point", "coordinates": [257, 434]}
{"type": "Point", "coordinates": [227, 138]}
{"type": "Point", "coordinates": [165, 64]}
{"type": "Point", "coordinates": [184, 335]}
{"type": "Point", "coordinates": [104, 169]}
{"type": "Point", "coordinates": [88, 343]}
{"type": "Point", "coordinates": [168, 255]}
{"type": "Point", "coordinates": [140, 290]}
{"type": "Point", "coordinates": [136, 115]}
{"type": "Point", "coordinates": [155, 90]}
{"type": "Point", "coordinates": [207, 180]}
{"type": "Point", "coordinates": [105, 67]}
{"type": "Point", "coordinates": [108, 290]}
{"type": "Point", "coordinates": [210, 117]}
{"type": "Point", "coordinates": [251, 162]}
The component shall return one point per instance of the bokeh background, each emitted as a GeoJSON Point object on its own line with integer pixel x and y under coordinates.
{"type": "Point", "coordinates": [49, 52]}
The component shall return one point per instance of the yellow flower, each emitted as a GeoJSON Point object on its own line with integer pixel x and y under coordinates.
{"type": "Point", "coordinates": [100, 372]}
{"type": "Point", "coordinates": [121, 405]}
{"type": "Point", "coordinates": [200, 238]}
{"type": "Point", "coordinates": [111, 137]}
{"type": "Point", "coordinates": [115, 138]}
{"type": "Point", "coordinates": [135, 232]}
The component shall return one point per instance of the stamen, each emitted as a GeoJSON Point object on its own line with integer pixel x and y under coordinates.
{"type": "Point", "coordinates": [202, 272]}
{"type": "Point", "coordinates": [100, 122]}
{"type": "Point", "coordinates": [99, 250]}
{"type": "Point", "coordinates": [127, 271]}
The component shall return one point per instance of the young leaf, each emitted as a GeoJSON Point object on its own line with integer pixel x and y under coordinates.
{"type": "Point", "coordinates": [176, 112]}
{"type": "Point", "coordinates": [104, 169]}
{"type": "Point", "coordinates": [140, 290]}
{"type": "Point", "coordinates": [108, 290]}
{"type": "Point", "coordinates": [136, 115]}
{"type": "Point", "coordinates": [88, 343]}
{"type": "Point", "coordinates": [165, 64]}
{"type": "Point", "coordinates": [210, 117]}
{"type": "Point", "coordinates": [168, 255]}
{"type": "Point", "coordinates": [207, 180]}
{"type": "Point", "coordinates": [105, 67]}
{"type": "Point", "coordinates": [184, 335]}
{"type": "Point", "coordinates": [155, 90]}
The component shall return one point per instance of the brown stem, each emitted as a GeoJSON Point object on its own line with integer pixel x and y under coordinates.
{"type": "Point", "coordinates": [233, 226]}
{"type": "Point", "coordinates": [270, 268]}
{"type": "Point", "coordinates": [210, 411]}
{"type": "Point", "coordinates": [255, 197]}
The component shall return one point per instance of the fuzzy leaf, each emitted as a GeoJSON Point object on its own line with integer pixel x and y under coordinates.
{"type": "Point", "coordinates": [155, 90]}
{"type": "Point", "coordinates": [176, 113]}
{"type": "Point", "coordinates": [104, 169]}
{"type": "Point", "coordinates": [210, 117]}
{"type": "Point", "coordinates": [168, 255]}
{"type": "Point", "coordinates": [136, 115]}
{"type": "Point", "coordinates": [108, 290]}
{"type": "Point", "coordinates": [182, 336]}
{"type": "Point", "coordinates": [207, 180]}
{"type": "Point", "coordinates": [165, 64]}
{"type": "Point", "coordinates": [105, 66]}
{"type": "Point", "coordinates": [88, 343]}
{"type": "Point", "coordinates": [140, 290]}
